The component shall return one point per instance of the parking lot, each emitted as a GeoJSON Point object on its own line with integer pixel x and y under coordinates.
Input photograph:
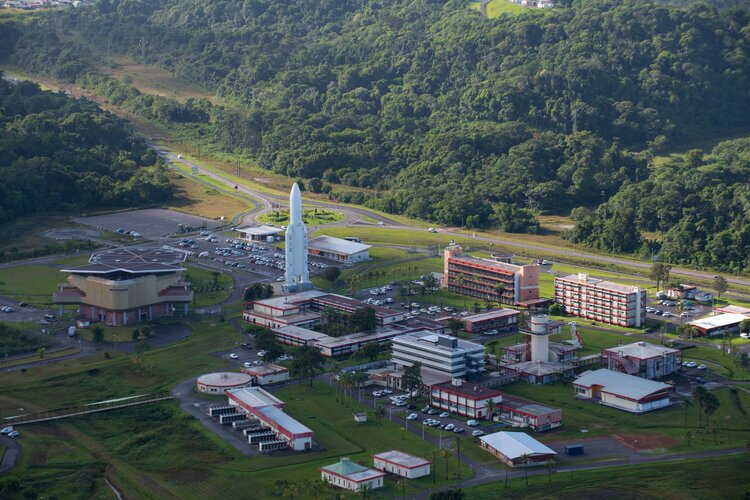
{"type": "Point", "coordinates": [151, 223]}
{"type": "Point", "coordinates": [668, 310]}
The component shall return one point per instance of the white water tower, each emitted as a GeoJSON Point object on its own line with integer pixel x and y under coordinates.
{"type": "Point", "coordinates": [538, 338]}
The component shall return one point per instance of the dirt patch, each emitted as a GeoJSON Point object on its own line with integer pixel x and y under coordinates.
{"type": "Point", "coordinates": [643, 442]}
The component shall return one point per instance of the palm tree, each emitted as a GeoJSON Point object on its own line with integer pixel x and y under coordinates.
{"type": "Point", "coordinates": [500, 290]}
{"type": "Point", "coordinates": [458, 455]}
{"type": "Point", "coordinates": [689, 437]}
{"type": "Point", "coordinates": [444, 453]}
{"type": "Point", "coordinates": [379, 413]}
{"type": "Point", "coordinates": [335, 377]}
{"type": "Point", "coordinates": [491, 406]}
{"type": "Point", "coordinates": [316, 488]}
{"type": "Point", "coordinates": [699, 394]}
{"type": "Point", "coordinates": [686, 403]}
{"type": "Point", "coordinates": [525, 461]}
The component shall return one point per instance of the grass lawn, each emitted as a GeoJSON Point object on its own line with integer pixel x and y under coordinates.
{"type": "Point", "coordinates": [684, 479]}
{"type": "Point", "coordinates": [496, 8]}
{"type": "Point", "coordinates": [310, 216]}
{"type": "Point", "coordinates": [198, 199]}
{"type": "Point", "coordinates": [599, 420]}
{"type": "Point", "coordinates": [26, 232]}
{"type": "Point", "coordinates": [32, 283]}
{"type": "Point", "coordinates": [209, 289]}
{"type": "Point", "coordinates": [404, 237]}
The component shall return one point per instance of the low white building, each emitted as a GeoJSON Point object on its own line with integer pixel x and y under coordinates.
{"type": "Point", "coordinates": [267, 373]}
{"type": "Point", "coordinates": [261, 233]}
{"type": "Point", "coordinates": [622, 391]}
{"type": "Point", "coordinates": [710, 326]}
{"type": "Point", "coordinates": [402, 464]}
{"type": "Point", "coordinates": [220, 383]}
{"type": "Point", "coordinates": [517, 449]}
{"type": "Point", "coordinates": [339, 250]}
{"type": "Point", "coordinates": [348, 475]}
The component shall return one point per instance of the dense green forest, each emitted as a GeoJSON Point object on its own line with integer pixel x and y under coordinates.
{"type": "Point", "coordinates": [446, 115]}
{"type": "Point", "coordinates": [59, 154]}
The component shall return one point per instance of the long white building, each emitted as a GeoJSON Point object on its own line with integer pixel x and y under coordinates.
{"type": "Point", "coordinates": [442, 353]}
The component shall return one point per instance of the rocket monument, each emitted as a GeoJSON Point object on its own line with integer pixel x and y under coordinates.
{"type": "Point", "coordinates": [297, 276]}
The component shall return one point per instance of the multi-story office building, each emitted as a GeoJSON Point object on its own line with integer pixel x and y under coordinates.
{"type": "Point", "coordinates": [642, 360]}
{"type": "Point", "coordinates": [499, 281]}
{"type": "Point", "coordinates": [603, 301]}
{"type": "Point", "coordinates": [442, 353]}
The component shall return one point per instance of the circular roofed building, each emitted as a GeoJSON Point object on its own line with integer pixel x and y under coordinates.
{"type": "Point", "coordinates": [220, 382]}
{"type": "Point", "coordinates": [127, 285]}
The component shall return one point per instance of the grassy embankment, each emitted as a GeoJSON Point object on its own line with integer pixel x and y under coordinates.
{"type": "Point", "coordinates": [496, 8]}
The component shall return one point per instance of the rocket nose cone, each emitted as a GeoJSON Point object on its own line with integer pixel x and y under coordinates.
{"type": "Point", "coordinates": [295, 190]}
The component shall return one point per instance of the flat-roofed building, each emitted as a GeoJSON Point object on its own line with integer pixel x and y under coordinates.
{"type": "Point", "coordinates": [718, 325]}
{"type": "Point", "coordinates": [339, 250]}
{"type": "Point", "coordinates": [455, 357]}
{"type": "Point", "coordinates": [518, 412]}
{"type": "Point", "coordinates": [517, 449]}
{"type": "Point", "coordinates": [497, 319]}
{"type": "Point", "coordinates": [260, 233]}
{"type": "Point", "coordinates": [732, 309]}
{"type": "Point", "coordinates": [127, 285]}
{"type": "Point", "coordinates": [351, 476]}
{"type": "Point", "coordinates": [267, 373]}
{"type": "Point", "coordinates": [642, 359]}
{"type": "Point", "coordinates": [464, 398]}
{"type": "Point", "coordinates": [604, 301]}
{"type": "Point", "coordinates": [622, 391]}
{"type": "Point", "coordinates": [482, 278]}
{"type": "Point", "coordinates": [269, 410]}
{"type": "Point", "coordinates": [402, 464]}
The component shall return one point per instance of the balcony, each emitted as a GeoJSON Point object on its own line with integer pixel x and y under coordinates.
{"type": "Point", "coordinates": [67, 294]}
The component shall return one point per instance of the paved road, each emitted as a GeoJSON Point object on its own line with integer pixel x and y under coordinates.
{"type": "Point", "coordinates": [12, 453]}
{"type": "Point", "coordinates": [269, 200]}
{"type": "Point", "coordinates": [163, 335]}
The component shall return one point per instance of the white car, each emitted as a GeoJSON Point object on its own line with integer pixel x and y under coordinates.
{"type": "Point", "coordinates": [445, 414]}
{"type": "Point", "coordinates": [472, 423]}
{"type": "Point", "coordinates": [234, 356]}
{"type": "Point", "coordinates": [449, 427]}
{"type": "Point", "coordinates": [7, 430]}
{"type": "Point", "coordinates": [692, 364]}
{"type": "Point", "coordinates": [247, 364]}
{"type": "Point", "coordinates": [261, 353]}
{"type": "Point", "coordinates": [477, 433]}
{"type": "Point", "coordinates": [412, 416]}
{"type": "Point", "coordinates": [702, 367]}
{"type": "Point", "coordinates": [745, 335]}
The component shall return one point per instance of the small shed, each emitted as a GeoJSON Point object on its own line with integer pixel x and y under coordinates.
{"type": "Point", "coordinates": [360, 416]}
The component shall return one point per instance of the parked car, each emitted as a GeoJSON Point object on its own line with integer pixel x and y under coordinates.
{"type": "Point", "coordinates": [233, 356]}
{"type": "Point", "coordinates": [472, 423]}
{"type": "Point", "coordinates": [431, 411]}
{"type": "Point", "coordinates": [14, 434]}
{"type": "Point", "coordinates": [449, 427]}
{"type": "Point", "coordinates": [700, 380]}
{"type": "Point", "coordinates": [477, 433]}
{"type": "Point", "coordinates": [247, 364]}
{"type": "Point", "coordinates": [702, 367]}
{"type": "Point", "coordinates": [7, 430]}
{"type": "Point", "coordinates": [692, 364]}
{"type": "Point", "coordinates": [445, 414]}
{"type": "Point", "coordinates": [458, 430]}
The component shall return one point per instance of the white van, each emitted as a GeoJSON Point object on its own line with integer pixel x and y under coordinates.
{"type": "Point", "coordinates": [203, 255]}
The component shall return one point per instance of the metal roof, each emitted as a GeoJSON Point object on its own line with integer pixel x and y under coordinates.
{"type": "Point", "coordinates": [621, 384]}
{"type": "Point", "coordinates": [278, 417]}
{"type": "Point", "coordinates": [225, 379]}
{"type": "Point", "coordinates": [351, 470]}
{"type": "Point", "coordinates": [516, 444]}
{"type": "Point", "coordinates": [337, 245]}
{"type": "Point", "coordinates": [402, 458]}
{"type": "Point", "coordinates": [719, 321]}
{"type": "Point", "coordinates": [131, 260]}
{"type": "Point", "coordinates": [642, 350]}
{"type": "Point", "coordinates": [260, 230]}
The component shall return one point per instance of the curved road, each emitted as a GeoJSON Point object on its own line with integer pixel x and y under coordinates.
{"type": "Point", "coordinates": [351, 213]}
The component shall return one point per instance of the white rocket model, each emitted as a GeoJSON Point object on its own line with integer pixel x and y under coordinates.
{"type": "Point", "coordinates": [297, 277]}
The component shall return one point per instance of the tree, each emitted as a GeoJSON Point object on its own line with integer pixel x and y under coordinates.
{"type": "Point", "coordinates": [699, 394]}
{"type": "Point", "coordinates": [500, 291]}
{"type": "Point", "coordinates": [140, 349]}
{"type": "Point", "coordinates": [525, 461]}
{"type": "Point", "coordinates": [215, 277]}
{"type": "Point", "coordinates": [307, 362]}
{"type": "Point", "coordinates": [136, 334]}
{"type": "Point", "coordinates": [455, 325]}
{"type": "Point", "coordinates": [745, 326]}
{"type": "Point", "coordinates": [379, 413]}
{"type": "Point", "coordinates": [371, 351]}
{"type": "Point", "coordinates": [317, 488]}
{"type": "Point", "coordinates": [364, 319]}
{"type": "Point", "coordinates": [491, 407]}
{"type": "Point", "coordinates": [41, 352]}
{"type": "Point", "coordinates": [264, 338]}
{"type": "Point", "coordinates": [97, 334]}
{"type": "Point", "coordinates": [147, 331]}
{"type": "Point", "coordinates": [331, 274]}
{"type": "Point", "coordinates": [720, 285]}
{"type": "Point", "coordinates": [660, 273]}
{"type": "Point", "coordinates": [686, 403]}
{"type": "Point", "coordinates": [710, 404]}
{"type": "Point", "coordinates": [689, 437]}
{"type": "Point", "coordinates": [555, 309]}
{"type": "Point", "coordinates": [411, 380]}
{"type": "Point", "coordinates": [272, 353]}
{"type": "Point", "coordinates": [476, 307]}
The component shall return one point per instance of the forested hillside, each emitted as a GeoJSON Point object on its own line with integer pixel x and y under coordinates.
{"type": "Point", "coordinates": [448, 116]}
{"type": "Point", "coordinates": [59, 154]}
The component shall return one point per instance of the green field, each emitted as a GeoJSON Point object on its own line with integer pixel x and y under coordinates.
{"type": "Point", "coordinates": [209, 289]}
{"type": "Point", "coordinates": [310, 216]}
{"type": "Point", "coordinates": [694, 479]}
{"type": "Point", "coordinates": [496, 8]}
{"type": "Point", "coordinates": [32, 283]}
